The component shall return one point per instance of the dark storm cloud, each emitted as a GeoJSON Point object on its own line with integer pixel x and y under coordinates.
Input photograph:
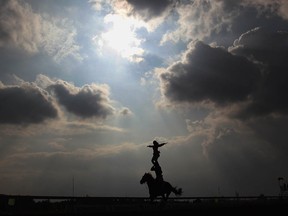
{"type": "Point", "coordinates": [270, 51]}
{"type": "Point", "coordinates": [269, 47]}
{"type": "Point", "coordinates": [25, 105]}
{"type": "Point", "coordinates": [88, 101]}
{"type": "Point", "coordinates": [279, 7]}
{"type": "Point", "coordinates": [150, 9]}
{"type": "Point", "coordinates": [152, 12]}
{"type": "Point", "coordinates": [253, 70]}
{"type": "Point", "coordinates": [211, 74]}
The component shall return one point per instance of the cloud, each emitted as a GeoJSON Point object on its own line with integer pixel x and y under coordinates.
{"type": "Point", "coordinates": [95, 171]}
{"type": "Point", "coordinates": [269, 50]}
{"type": "Point", "coordinates": [217, 20]}
{"type": "Point", "coordinates": [215, 126]}
{"type": "Point", "coordinates": [97, 4]}
{"type": "Point", "coordinates": [23, 29]}
{"type": "Point", "coordinates": [76, 127]}
{"type": "Point", "coordinates": [151, 12]}
{"type": "Point", "coordinates": [124, 19]}
{"type": "Point", "coordinates": [145, 10]}
{"type": "Point", "coordinates": [148, 9]}
{"type": "Point", "coordinates": [247, 128]}
{"type": "Point", "coordinates": [209, 74]}
{"type": "Point", "coordinates": [279, 7]}
{"type": "Point", "coordinates": [242, 158]}
{"type": "Point", "coordinates": [263, 45]}
{"type": "Point", "coordinates": [121, 38]}
{"type": "Point", "coordinates": [234, 160]}
{"type": "Point", "coordinates": [249, 78]}
{"type": "Point", "coordinates": [200, 18]}
{"type": "Point", "coordinates": [125, 111]}
{"type": "Point", "coordinates": [25, 104]}
{"type": "Point", "coordinates": [19, 26]}
{"type": "Point", "coordinates": [87, 101]}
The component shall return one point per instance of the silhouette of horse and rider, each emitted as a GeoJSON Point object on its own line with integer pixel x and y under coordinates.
{"type": "Point", "coordinates": [158, 187]}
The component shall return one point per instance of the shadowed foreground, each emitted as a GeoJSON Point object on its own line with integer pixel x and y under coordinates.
{"type": "Point", "coordinates": [31, 205]}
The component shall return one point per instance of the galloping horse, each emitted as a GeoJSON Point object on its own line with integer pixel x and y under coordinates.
{"type": "Point", "coordinates": [157, 188]}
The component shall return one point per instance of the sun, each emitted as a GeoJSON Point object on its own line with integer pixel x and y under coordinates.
{"type": "Point", "coordinates": [121, 37]}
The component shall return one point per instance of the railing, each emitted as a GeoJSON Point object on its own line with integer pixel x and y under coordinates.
{"type": "Point", "coordinates": [66, 205]}
{"type": "Point", "coordinates": [138, 198]}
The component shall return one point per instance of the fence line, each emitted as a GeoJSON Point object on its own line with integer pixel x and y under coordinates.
{"type": "Point", "coordinates": [115, 199]}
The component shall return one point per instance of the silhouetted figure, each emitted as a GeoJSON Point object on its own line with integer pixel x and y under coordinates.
{"type": "Point", "coordinates": [158, 171]}
{"type": "Point", "coordinates": [156, 152]}
{"type": "Point", "coordinates": [158, 187]}
{"type": "Point", "coordinates": [283, 186]}
{"type": "Point", "coordinates": [155, 190]}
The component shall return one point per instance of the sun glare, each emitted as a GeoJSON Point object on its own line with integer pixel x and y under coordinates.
{"type": "Point", "coordinates": [121, 37]}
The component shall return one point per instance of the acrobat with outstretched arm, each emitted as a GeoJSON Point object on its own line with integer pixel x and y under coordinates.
{"type": "Point", "coordinates": [156, 152]}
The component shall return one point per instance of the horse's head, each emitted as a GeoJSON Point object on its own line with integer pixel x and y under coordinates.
{"type": "Point", "coordinates": [145, 178]}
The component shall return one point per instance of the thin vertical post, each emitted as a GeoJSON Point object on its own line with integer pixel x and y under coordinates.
{"type": "Point", "coordinates": [73, 186]}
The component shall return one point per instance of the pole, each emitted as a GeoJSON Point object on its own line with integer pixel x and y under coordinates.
{"type": "Point", "coordinates": [73, 188]}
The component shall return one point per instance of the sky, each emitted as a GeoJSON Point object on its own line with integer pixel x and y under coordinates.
{"type": "Point", "coordinates": [86, 85]}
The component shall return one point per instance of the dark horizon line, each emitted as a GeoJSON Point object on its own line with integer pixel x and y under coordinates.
{"type": "Point", "coordinates": [115, 198]}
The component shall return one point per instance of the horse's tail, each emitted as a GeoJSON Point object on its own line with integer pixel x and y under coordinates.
{"type": "Point", "coordinates": [177, 191]}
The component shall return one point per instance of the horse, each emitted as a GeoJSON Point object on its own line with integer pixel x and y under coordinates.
{"type": "Point", "coordinates": [159, 188]}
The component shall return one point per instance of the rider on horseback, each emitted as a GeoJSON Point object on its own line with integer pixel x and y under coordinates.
{"type": "Point", "coordinates": [158, 171]}
{"type": "Point", "coordinates": [158, 187]}
{"type": "Point", "coordinates": [156, 167]}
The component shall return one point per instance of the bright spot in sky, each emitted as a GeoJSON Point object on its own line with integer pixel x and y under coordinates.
{"type": "Point", "coordinates": [121, 37]}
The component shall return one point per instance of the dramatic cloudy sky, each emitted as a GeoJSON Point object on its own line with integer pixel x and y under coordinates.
{"type": "Point", "coordinates": [86, 85]}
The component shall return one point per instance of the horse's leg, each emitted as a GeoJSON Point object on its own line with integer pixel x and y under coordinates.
{"type": "Point", "coordinates": [167, 195]}
{"type": "Point", "coordinates": [152, 198]}
{"type": "Point", "coordinates": [162, 202]}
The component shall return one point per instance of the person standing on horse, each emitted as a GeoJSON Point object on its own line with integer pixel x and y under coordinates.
{"type": "Point", "coordinates": [158, 171]}
{"type": "Point", "coordinates": [156, 152]}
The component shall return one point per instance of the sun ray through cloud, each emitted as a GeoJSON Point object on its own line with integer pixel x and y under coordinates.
{"type": "Point", "coordinates": [121, 37]}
